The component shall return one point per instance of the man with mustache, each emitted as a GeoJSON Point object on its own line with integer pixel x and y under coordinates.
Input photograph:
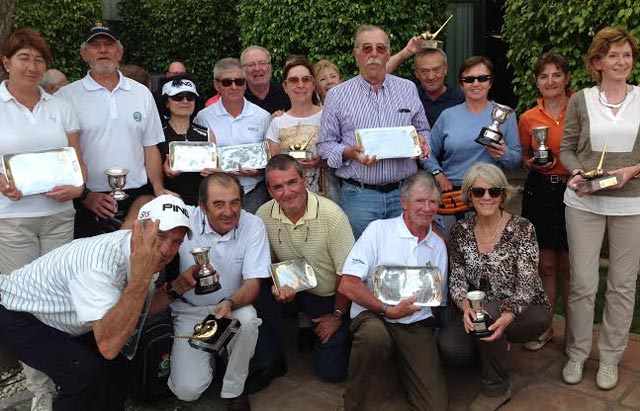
{"type": "Point", "coordinates": [240, 255]}
{"type": "Point", "coordinates": [119, 126]}
{"type": "Point", "coordinates": [370, 187]}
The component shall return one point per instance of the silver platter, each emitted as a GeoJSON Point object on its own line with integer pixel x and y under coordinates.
{"type": "Point", "coordinates": [192, 156]}
{"type": "Point", "coordinates": [297, 274]}
{"type": "Point", "coordinates": [249, 156]}
{"type": "Point", "coordinates": [392, 283]}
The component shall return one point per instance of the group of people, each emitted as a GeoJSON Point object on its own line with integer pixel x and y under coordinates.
{"type": "Point", "coordinates": [73, 291]}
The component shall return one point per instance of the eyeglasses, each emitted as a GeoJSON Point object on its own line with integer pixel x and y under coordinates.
{"type": "Point", "coordinates": [470, 79]}
{"type": "Point", "coordinates": [494, 192]}
{"type": "Point", "coordinates": [227, 82]}
{"type": "Point", "coordinates": [179, 97]}
{"type": "Point", "coordinates": [294, 81]}
{"type": "Point", "coordinates": [261, 64]}
{"type": "Point", "coordinates": [368, 48]}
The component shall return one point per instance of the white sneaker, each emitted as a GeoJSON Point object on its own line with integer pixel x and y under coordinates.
{"type": "Point", "coordinates": [572, 372]}
{"type": "Point", "coordinates": [607, 376]}
{"type": "Point", "coordinates": [42, 402]}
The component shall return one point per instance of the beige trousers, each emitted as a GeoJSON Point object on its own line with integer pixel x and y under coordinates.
{"type": "Point", "coordinates": [23, 240]}
{"type": "Point", "coordinates": [585, 234]}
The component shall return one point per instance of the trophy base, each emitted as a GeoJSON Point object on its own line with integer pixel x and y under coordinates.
{"type": "Point", "coordinates": [488, 136]}
{"type": "Point", "coordinates": [598, 183]}
{"type": "Point", "coordinates": [207, 289]}
{"type": "Point", "coordinates": [217, 344]}
{"type": "Point", "coordinates": [299, 154]}
{"type": "Point", "coordinates": [542, 158]}
{"type": "Point", "coordinates": [119, 195]}
{"type": "Point", "coordinates": [432, 44]}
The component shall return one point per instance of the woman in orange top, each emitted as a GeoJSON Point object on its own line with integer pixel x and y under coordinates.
{"type": "Point", "coordinates": [542, 200]}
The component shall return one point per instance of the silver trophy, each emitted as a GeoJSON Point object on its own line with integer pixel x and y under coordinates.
{"type": "Point", "coordinates": [206, 279]}
{"type": "Point", "coordinates": [542, 155]}
{"type": "Point", "coordinates": [491, 133]}
{"type": "Point", "coordinates": [482, 320]}
{"type": "Point", "coordinates": [117, 177]}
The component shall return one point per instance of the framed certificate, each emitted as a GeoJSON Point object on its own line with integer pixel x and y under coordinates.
{"type": "Point", "coordinates": [297, 274]}
{"type": "Point", "coordinates": [389, 142]}
{"type": "Point", "coordinates": [392, 283]}
{"type": "Point", "coordinates": [192, 156]}
{"type": "Point", "coordinates": [249, 156]}
{"type": "Point", "coordinates": [40, 171]}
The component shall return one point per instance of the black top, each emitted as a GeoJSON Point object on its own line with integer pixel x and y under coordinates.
{"type": "Point", "coordinates": [452, 96]}
{"type": "Point", "coordinates": [275, 100]}
{"type": "Point", "coordinates": [186, 184]}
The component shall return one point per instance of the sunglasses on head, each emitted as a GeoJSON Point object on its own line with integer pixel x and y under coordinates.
{"type": "Point", "coordinates": [470, 79]}
{"type": "Point", "coordinates": [294, 81]}
{"type": "Point", "coordinates": [494, 192]}
{"type": "Point", "coordinates": [227, 82]}
{"type": "Point", "coordinates": [182, 96]}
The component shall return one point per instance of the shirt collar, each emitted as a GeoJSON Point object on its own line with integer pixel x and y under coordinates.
{"type": "Point", "coordinates": [367, 86]}
{"type": "Point", "coordinates": [313, 205]}
{"type": "Point", "coordinates": [403, 232]}
{"type": "Point", "coordinates": [91, 85]}
{"type": "Point", "coordinates": [220, 111]}
{"type": "Point", "coordinates": [5, 94]}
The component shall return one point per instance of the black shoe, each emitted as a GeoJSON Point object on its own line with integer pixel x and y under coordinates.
{"type": "Point", "coordinates": [306, 340]}
{"type": "Point", "coordinates": [240, 403]}
{"type": "Point", "coordinates": [260, 378]}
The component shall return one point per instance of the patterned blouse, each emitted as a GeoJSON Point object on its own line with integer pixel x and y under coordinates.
{"type": "Point", "coordinates": [508, 274]}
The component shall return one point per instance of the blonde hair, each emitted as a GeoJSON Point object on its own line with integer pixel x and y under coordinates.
{"type": "Point", "coordinates": [492, 175]}
{"type": "Point", "coordinates": [321, 65]}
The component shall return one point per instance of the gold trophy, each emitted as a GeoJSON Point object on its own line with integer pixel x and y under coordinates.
{"type": "Point", "coordinates": [430, 41]}
{"type": "Point", "coordinates": [299, 151]}
{"type": "Point", "coordinates": [597, 179]}
{"type": "Point", "coordinates": [212, 335]}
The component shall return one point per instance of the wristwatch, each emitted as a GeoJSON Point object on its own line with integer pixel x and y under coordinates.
{"type": "Point", "coordinates": [436, 172]}
{"type": "Point", "coordinates": [85, 193]}
{"type": "Point", "coordinates": [337, 314]}
{"type": "Point", "coordinates": [383, 312]}
{"type": "Point", "coordinates": [173, 294]}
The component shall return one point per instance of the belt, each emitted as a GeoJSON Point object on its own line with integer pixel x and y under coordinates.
{"type": "Point", "coordinates": [384, 188]}
{"type": "Point", "coordinates": [553, 178]}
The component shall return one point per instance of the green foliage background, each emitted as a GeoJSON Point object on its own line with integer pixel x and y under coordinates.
{"type": "Point", "coordinates": [62, 23]}
{"type": "Point", "coordinates": [532, 27]}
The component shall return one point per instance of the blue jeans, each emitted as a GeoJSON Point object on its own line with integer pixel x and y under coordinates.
{"type": "Point", "coordinates": [362, 206]}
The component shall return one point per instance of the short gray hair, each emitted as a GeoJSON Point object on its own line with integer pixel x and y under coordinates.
{"type": "Point", "coordinates": [52, 77]}
{"type": "Point", "coordinates": [422, 178]}
{"type": "Point", "coordinates": [492, 175]}
{"type": "Point", "coordinates": [251, 48]}
{"type": "Point", "coordinates": [428, 52]}
{"type": "Point", "coordinates": [365, 28]}
{"type": "Point", "coordinates": [226, 64]}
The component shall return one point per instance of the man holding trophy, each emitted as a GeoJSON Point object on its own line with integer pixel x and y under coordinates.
{"type": "Point", "coordinates": [239, 255]}
{"type": "Point", "coordinates": [405, 330]}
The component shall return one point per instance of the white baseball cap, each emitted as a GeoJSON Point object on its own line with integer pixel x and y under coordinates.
{"type": "Point", "coordinates": [170, 210]}
{"type": "Point", "coordinates": [173, 87]}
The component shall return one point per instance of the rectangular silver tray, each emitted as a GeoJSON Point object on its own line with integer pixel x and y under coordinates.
{"type": "Point", "coordinates": [249, 156]}
{"type": "Point", "coordinates": [297, 274]}
{"type": "Point", "coordinates": [192, 156]}
{"type": "Point", "coordinates": [389, 142]}
{"type": "Point", "coordinates": [392, 283]}
{"type": "Point", "coordinates": [40, 171]}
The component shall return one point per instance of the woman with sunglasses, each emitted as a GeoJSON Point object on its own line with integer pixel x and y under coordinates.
{"type": "Point", "coordinates": [494, 252]}
{"type": "Point", "coordinates": [542, 200]}
{"type": "Point", "coordinates": [603, 121]}
{"type": "Point", "coordinates": [179, 97]}
{"type": "Point", "coordinates": [297, 128]}
{"type": "Point", "coordinates": [453, 150]}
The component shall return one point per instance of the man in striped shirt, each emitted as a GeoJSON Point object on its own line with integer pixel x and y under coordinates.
{"type": "Point", "coordinates": [71, 312]}
{"type": "Point", "coordinates": [373, 99]}
{"type": "Point", "coordinates": [301, 224]}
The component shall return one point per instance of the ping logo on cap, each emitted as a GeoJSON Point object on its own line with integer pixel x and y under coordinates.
{"type": "Point", "coordinates": [175, 208]}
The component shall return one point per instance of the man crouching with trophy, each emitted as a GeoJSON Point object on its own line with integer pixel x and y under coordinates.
{"type": "Point", "coordinates": [239, 255]}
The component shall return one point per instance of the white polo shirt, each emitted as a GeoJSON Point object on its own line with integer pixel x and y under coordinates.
{"type": "Point", "coordinates": [249, 127]}
{"type": "Point", "coordinates": [241, 254]}
{"type": "Point", "coordinates": [72, 285]}
{"type": "Point", "coordinates": [114, 128]}
{"type": "Point", "coordinates": [389, 242]}
{"type": "Point", "coordinates": [24, 131]}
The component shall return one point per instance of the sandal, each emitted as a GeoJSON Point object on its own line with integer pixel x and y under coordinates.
{"type": "Point", "coordinates": [540, 342]}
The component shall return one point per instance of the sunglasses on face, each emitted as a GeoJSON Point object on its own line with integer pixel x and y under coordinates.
{"type": "Point", "coordinates": [179, 97]}
{"type": "Point", "coordinates": [494, 192]}
{"type": "Point", "coordinates": [470, 79]}
{"type": "Point", "coordinates": [294, 81]}
{"type": "Point", "coordinates": [227, 82]}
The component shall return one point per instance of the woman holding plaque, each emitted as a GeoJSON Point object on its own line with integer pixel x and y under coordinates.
{"type": "Point", "coordinates": [601, 148]}
{"type": "Point", "coordinates": [542, 199]}
{"type": "Point", "coordinates": [179, 96]}
{"type": "Point", "coordinates": [453, 150]}
{"type": "Point", "coordinates": [296, 130]}
{"type": "Point", "coordinates": [495, 255]}
{"type": "Point", "coordinates": [32, 120]}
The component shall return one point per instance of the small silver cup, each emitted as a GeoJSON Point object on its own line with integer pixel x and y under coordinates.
{"type": "Point", "coordinates": [117, 178]}
{"type": "Point", "coordinates": [542, 155]}
{"type": "Point", "coordinates": [482, 320]}
{"type": "Point", "coordinates": [492, 133]}
{"type": "Point", "coordinates": [206, 279]}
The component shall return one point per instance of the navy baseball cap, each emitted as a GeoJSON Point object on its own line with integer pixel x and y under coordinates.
{"type": "Point", "coordinates": [99, 30]}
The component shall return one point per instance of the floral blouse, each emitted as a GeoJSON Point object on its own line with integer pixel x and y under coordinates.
{"type": "Point", "coordinates": [508, 274]}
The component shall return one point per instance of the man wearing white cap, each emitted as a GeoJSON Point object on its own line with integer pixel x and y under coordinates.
{"type": "Point", "coordinates": [74, 313]}
{"type": "Point", "coordinates": [119, 127]}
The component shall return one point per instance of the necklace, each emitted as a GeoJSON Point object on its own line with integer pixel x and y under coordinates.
{"type": "Point", "coordinates": [603, 100]}
{"type": "Point", "coordinates": [493, 237]}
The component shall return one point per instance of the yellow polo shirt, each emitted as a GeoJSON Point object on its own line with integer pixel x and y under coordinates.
{"type": "Point", "coordinates": [322, 236]}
